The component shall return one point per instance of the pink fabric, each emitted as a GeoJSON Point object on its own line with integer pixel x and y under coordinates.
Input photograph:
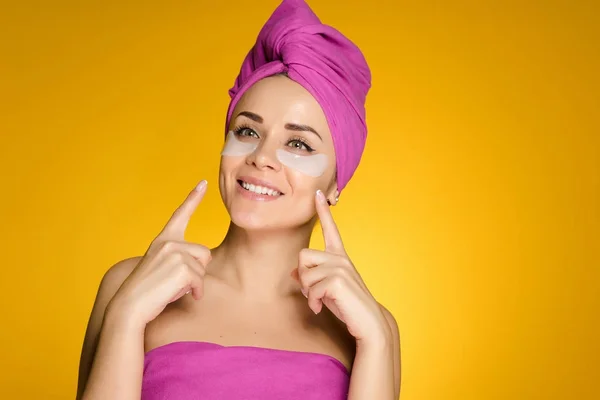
{"type": "Point", "coordinates": [209, 371]}
{"type": "Point", "coordinates": [325, 63]}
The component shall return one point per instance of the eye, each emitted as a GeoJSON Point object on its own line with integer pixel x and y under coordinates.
{"type": "Point", "coordinates": [245, 131]}
{"type": "Point", "coordinates": [300, 144]}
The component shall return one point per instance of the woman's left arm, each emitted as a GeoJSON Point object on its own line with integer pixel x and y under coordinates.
{"type": "Point", "coordinates": [329, 278]}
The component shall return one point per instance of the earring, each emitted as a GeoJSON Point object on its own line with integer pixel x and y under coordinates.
{"type": "Point", "coordinates": [337, 198]}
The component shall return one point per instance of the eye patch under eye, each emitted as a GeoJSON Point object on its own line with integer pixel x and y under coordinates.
{"type": "Point", "coordinates": [312, 165]}
{"type": "Point", "coordinates": [235, 147]}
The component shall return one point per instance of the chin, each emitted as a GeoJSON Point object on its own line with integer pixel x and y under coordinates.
{"type": "Point", "coordinates": [248, 220]}
{"type": "Point", "coordinates": [255, 220]}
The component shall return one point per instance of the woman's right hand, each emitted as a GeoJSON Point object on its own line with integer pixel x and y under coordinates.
{"type": "Point", "coordinates": [170, 268]}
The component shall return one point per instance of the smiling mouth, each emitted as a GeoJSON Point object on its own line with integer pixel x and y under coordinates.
{"type": "Point", "coordinates": [259, 189]}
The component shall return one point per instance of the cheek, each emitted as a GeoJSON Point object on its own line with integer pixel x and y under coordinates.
{"type": "Point", "coordinates": [227, 169]}
{"type": "Point", "coordinates": [230, 164]}
{"type": "Point", "coordinates": [305, 185]}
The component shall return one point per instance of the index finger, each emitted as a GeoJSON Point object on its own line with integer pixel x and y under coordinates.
{"type": "Point", "coordinates": [331, 234]}
{"type": "Point", "coordinates": [177, 224]}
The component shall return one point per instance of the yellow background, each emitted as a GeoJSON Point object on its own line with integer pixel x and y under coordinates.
{"type": "Point", "coordinates": [474, 216]}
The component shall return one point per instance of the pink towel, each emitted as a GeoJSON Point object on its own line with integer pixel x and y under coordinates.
{"type": "Point", "coordinates": [325, 63]}
{"type": "Point", "coordinates": [209, 371]}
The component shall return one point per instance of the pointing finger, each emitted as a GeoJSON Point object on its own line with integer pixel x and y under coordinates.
{"type": "Point", "coordinates": [331, 234]}
{"type": "Point", "coordinates": [177, 224]}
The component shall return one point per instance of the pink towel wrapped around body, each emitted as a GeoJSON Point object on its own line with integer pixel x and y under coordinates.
{"type": "Point", "coordinates": [209, 371]}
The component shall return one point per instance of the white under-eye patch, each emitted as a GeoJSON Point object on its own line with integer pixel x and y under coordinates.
{"type": "Point", "coordinates": [311, 165]}
{"type": "Point", "coordinates": [235, 147]}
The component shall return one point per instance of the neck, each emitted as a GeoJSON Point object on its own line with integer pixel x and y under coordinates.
{"type": "Point", "coordinates": [258, 263]}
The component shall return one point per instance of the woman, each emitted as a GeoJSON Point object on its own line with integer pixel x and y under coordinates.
{"type": "Point", "coordinates": [261, 316]}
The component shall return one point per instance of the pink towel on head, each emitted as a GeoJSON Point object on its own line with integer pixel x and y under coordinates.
{"type": "Point", "coordinates": [209, 371]}
{"type": "Point", "coordinates": [325, 63]}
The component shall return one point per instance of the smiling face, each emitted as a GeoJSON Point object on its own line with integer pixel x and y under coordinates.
{"type": "Point", "coordinates": [278, 153]}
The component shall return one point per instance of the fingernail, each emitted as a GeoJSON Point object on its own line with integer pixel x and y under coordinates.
{"type": "Point", "coordinates": [201, 185]}
{"type": "Point", "coordinates": [304, 293]}
{"type": "Point", "coordinates": [320, 196]}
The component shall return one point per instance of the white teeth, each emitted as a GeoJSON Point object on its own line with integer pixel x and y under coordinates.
{"type": "Point", "coordinates": [259, 189]}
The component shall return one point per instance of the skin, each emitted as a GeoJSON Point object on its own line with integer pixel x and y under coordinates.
{"type": "Point", "coordinates": [249, 289]}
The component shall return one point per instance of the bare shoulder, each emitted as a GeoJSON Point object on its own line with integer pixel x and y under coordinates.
{"type": "Point", "coordinates": [391, 322]}
{"type": "Point", "coordinates": [115, 275]}
{"type": "Point", "coordinates": [111, 282]}
{"type": "Point", "coordinates": [396, 348]}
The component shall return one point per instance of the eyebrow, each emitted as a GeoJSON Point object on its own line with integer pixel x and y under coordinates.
{"type": "Point", "coordinates": [292, 127]}
{"type": "Point", "coordinates": [252, 116]}
{"type": "Point", "coordinates": [302, 128]}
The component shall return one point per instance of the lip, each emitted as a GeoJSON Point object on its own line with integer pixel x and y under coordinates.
{"type": "Point", "coordinates": [260, 182]}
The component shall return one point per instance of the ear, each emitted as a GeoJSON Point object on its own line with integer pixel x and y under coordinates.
{"type": "Point", "coordinates": [333, 196]}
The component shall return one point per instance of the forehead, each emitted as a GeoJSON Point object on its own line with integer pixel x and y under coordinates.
{"type": "Point", "coordinates": [280, 100]}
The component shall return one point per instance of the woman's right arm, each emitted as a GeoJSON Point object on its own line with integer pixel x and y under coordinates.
{"type": "Point", "coordinates": [109, 285]}
{"type": "Point", "coordinates": [132, 293]}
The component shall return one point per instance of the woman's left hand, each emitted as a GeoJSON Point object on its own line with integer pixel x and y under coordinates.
{"type": "Point", "coordinates": [329, 277]}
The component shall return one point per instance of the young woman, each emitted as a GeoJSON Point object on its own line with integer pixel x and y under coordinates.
{"type": "Point", "coordinates": [260, 316]}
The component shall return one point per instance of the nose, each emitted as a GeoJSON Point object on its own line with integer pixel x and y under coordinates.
{"type": "Point", "coordinates": [264, 157]}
